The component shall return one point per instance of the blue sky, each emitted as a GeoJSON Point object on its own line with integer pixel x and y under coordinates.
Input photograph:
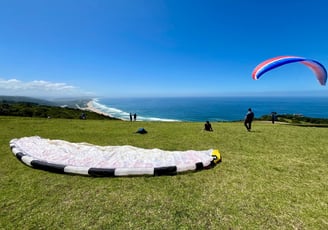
{"type": "Point", "coordinates": [140, 48]}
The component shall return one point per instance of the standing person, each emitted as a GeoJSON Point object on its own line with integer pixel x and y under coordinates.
{"type": "Point", "coordinates": [248, 119]}
{"type": "Point", "coordinates": [273, 117]}
{"type": "Point", "coordinates": [135, 116]}
{"type": "Point", "coordinates": [130, 116]}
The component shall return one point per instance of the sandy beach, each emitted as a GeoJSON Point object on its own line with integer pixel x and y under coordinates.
{"type": "Point", "coordinates": [93, 109]}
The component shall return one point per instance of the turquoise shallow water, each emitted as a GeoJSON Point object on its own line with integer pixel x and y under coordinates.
{"type": "Point", "coordinates": [212, 109]}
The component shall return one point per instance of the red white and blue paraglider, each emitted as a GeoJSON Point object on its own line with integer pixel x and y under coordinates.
{"type": "Point", "coordinates": [272, 63]}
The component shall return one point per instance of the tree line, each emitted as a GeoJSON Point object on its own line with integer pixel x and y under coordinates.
{"type": "Point", "coordinates": [295, 119]}
{"type": "Point", "coordinates": [30, 109]}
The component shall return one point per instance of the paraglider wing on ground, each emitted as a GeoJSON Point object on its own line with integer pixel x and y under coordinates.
{"type": "Point", "coordinates": [82, 158]}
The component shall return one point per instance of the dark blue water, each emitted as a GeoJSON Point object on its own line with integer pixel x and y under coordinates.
{"type": "Point", "coordinates": [212, 109]}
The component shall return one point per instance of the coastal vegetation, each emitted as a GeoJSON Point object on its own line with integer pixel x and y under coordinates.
{"type": "Point", "coordinates": [46, 109]}
{"type": "Point", "coordinates": [274, 177]}
{"type": "Point", "coordinates": [297, 119]}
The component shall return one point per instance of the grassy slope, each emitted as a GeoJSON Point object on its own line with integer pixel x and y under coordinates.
{"type": "Point", "coordinates": [275, 177]}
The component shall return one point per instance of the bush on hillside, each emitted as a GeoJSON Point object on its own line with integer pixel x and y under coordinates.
{"type": "Point", "coordinates": [27, 109]}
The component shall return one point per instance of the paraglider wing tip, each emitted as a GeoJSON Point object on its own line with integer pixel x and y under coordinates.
{"type": "Point", "coordinates": [254, 76]}
{"type": "Point", "coordinates": [217, 158]}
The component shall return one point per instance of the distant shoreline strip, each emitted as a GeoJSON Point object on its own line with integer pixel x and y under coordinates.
{"type": "Point", "coordinates": [91, 108]}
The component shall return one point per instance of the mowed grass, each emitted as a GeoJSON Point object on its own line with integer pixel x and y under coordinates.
{"type": "Point", "coordinates": [275, 177]}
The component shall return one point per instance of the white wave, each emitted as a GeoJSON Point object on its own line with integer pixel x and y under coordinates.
{"type": "Point", "coordinates": [156, 119]}
{"type": "Point", "coordinates": [120, 114]}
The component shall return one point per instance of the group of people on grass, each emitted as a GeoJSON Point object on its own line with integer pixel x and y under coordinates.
{"type": "Point", "coordinates": [247, 121]}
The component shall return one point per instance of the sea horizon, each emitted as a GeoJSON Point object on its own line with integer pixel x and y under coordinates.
{"type": "Point", "coordinates": [199, 109]}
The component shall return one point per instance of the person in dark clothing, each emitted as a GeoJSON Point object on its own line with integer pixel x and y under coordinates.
{"type": "Point", "coordinates": [208, 126]}
{"type": "Point", "coordinates": [130, 116]}
{"type": "Point", "coordinates": [83, 116]}
{"type": "Point", "coordinates": [135, 117]}
{"type": "Point", "coordinates": [273, 117]}
{"type": "Point", "coordinates": [249, 119]}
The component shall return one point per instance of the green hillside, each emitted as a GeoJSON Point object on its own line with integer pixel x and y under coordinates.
{"type": "Point", "coordinates": [44, 109]}
{"type": "Point", "coordinates": [274, 177]}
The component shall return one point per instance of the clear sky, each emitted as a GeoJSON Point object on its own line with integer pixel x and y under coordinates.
{"type": "Point", "coordinates": [137, 48]}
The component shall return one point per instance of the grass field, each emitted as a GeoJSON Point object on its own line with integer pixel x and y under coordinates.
{"type": "Point", "coordinates": [275, 177]}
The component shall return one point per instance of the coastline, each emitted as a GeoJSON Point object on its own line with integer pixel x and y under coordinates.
{"type": "Point", "coordinates": [91, 108]}
{"type": "Point", "coordinates": [202, 109]}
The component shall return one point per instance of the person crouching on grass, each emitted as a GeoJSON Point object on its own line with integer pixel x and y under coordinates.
{"type": "Point", "coordinates": [208, 126]}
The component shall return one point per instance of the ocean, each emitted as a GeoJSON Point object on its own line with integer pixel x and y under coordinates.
{"type": "Point", "coordinates": [200, 109]}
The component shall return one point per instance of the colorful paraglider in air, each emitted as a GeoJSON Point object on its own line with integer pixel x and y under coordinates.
{"type": "Point", "coordinates": [272, 63]}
